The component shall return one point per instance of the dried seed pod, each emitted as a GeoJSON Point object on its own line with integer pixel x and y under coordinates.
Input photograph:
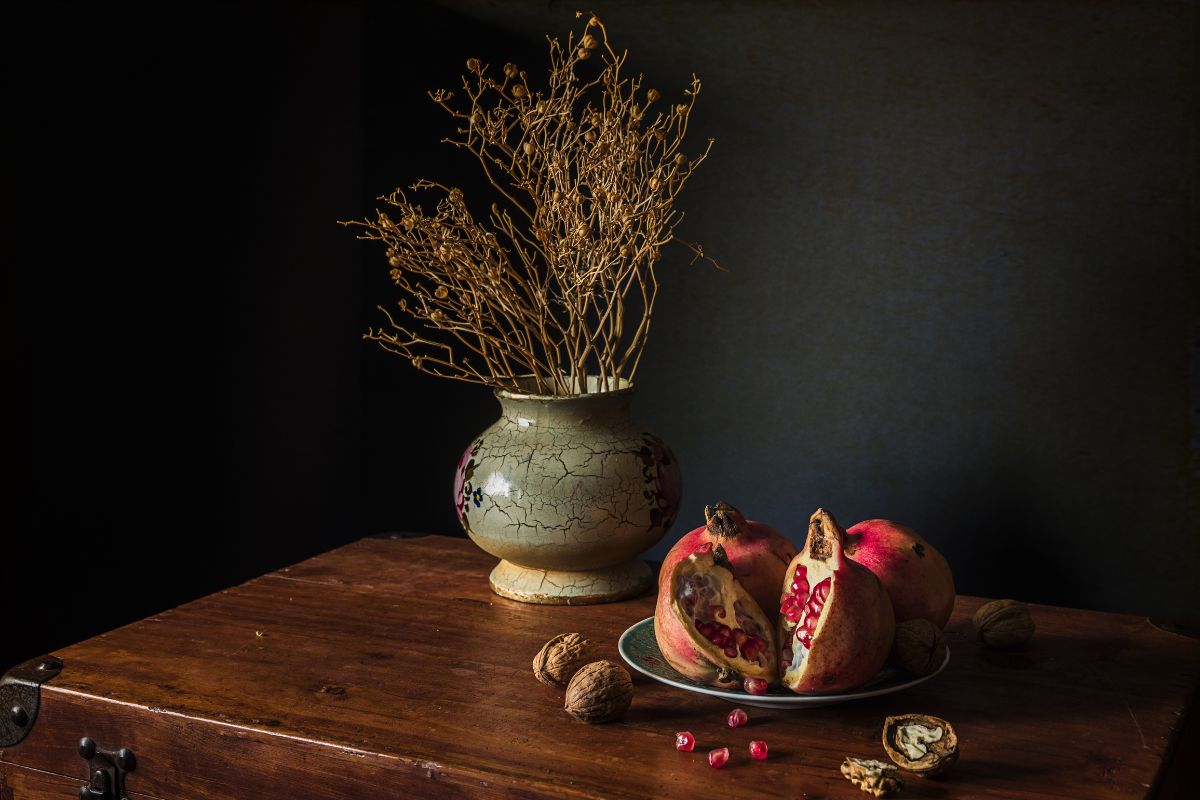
{"type": "Point", "coordinates": [653, 95]}
{"type": "Point", "coordinates": [474, 64]}
{"type": "Point", "coordinates": [920, 743]}
{"type": "Point", "coordinates": [561, 657]}
{"type": "Point", "coordinates": [600, 692]}
{"type": "Point", "coordinates": [1003, 624]}
{"type": "Point", "coordinates": [919, 647]}
{"type": "Point", "coordinates": [873, 777]}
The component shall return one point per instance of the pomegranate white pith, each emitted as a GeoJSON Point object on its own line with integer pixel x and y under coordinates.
{"type": "Point", "coordinates": [836, 623]}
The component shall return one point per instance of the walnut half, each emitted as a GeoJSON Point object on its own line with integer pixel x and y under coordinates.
{"type": "Point", "coordinates": [873, 777]}
{"type": "Point", "coordinates": [920, 743]}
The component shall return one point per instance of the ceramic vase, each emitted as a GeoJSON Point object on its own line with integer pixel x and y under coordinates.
{"type": "Point", "coordinates": [567, 492]}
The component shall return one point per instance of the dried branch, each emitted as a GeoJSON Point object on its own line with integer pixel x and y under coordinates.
{"type": "Point", "coordinates": [540, 294]}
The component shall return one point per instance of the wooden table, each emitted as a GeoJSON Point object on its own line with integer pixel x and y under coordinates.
{"type": "Point", "coordinates": [388, 669]}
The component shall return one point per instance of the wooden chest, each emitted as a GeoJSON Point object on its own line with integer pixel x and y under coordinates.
{"type": "Point", "coordinates": [387, 669]}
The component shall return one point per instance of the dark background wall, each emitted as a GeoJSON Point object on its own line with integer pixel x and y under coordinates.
{"type": "Point", "coordinates": [961, 287]}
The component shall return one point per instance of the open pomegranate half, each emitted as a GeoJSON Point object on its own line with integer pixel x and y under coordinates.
{"type": "Point", "coordinates": [708, 626]}
{"type": "Point", "coordinates": [759, 553]}
{"type": "Point", "coordinates": [835, 618]}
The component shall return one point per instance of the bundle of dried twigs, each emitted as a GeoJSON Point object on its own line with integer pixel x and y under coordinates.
{"type": "Point", "coordinates": [558, 282]}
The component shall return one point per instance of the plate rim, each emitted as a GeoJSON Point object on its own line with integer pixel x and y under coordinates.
{"type": "Point", "coordinates": [797, 699]}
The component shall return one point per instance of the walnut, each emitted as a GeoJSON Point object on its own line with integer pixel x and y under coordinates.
{"type": "Point", "coordinates": [600, 692]}
{"type": "Point", "coordinates": [1004, 624]}
{"type": "Point", "coordinates": [561, 657]}
{"type": "Point", "coordinates": [919, 647]}
{"type": "Point", "coordinates": [920, 743]}
{"type": "Point", "coordinates": [873, 777]}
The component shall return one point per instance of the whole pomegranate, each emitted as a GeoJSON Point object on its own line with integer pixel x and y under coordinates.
{"type": "Point", "coordinates": [758, 553]}
{"type": "Point", "coordinates": [916, 576]}
{"type": "Point", "coordinates": [710, 621]}
{"type": "Point", "coordinates": [836, 623]}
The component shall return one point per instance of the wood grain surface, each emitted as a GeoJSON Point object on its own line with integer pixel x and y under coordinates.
{"type": "Point", "coordinates": [388, 669]}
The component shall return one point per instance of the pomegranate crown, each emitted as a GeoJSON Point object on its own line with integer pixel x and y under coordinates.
{"type": "Point", "coordinates": [723, 520]}
{"type": "Point", "coordinates": [823, 533]}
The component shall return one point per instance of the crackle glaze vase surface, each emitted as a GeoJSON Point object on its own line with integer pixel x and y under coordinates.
{"type": "Point", "coordinates": [567, 492]}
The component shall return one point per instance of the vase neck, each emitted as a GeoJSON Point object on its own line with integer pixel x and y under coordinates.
{"type": "Point", "coordinates": [605, 408]}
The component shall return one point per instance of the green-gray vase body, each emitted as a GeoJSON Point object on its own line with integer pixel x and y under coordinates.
{"type": "Point", "coordinates": [567, 492]}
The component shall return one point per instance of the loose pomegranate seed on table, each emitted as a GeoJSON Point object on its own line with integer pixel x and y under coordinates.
{"type": "Point", "coordinates": [758, 749]}
{"type": "Point", "coordinates": [685, 741]}
{"type": "Point", "coordinates": [718, 757]}
{"type": "Point", "coordinates": [737, 718]}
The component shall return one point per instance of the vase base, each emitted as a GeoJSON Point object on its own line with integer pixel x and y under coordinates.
{"type": "Point", "coordinates": [571, 588]}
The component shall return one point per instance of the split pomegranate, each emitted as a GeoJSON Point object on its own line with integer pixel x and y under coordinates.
{"type": "Point", "coordinates": [836, 623]}
{"type": "Point", "coordinates": [685, 741]}
{"type": "Point", "coordinates": [759, 553]}
{"type": "Point", "coordinates": [758, 749]}
{"type": "Point", "coordinates": [718, 757]}
{"type": "Point", "coordinates": [916, 576]}
{"type": "Point", "coordinates": [737, 718]}
{"type": "Point", "coordinates": [708, 626]}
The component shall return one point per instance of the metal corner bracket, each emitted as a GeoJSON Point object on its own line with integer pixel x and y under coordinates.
{"type": "Point", "coordinates": [20, 696]}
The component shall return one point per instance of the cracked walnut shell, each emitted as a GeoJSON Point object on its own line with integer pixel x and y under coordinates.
{"type": "Point", "coordinates": [920, 743]}
{"type": "Point", "coordinates": [561, 657]}
{"type": "Point", "coordinates": [600, 692]}
{"type": "Point", "coordinates": [873, 777]}
{"type": "Point", "coordinates": [1004, 624]}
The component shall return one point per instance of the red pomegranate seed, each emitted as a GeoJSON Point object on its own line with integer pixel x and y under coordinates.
{"type": "Point", "coordinates": [758, 749]}
{"type": "Point", "coordinates": [810, 624]}
{"type": "Point", "coordinates": [730, 651]}
{"type": "Point", "coordinates": [792, 614]}
{"type": "Point", "coordinates": [787, 602]}
{"type": "Point", "coordinates": [707, 629]}
{"type": "Point", "coordinates": [740, 637]}
{"type": "Point", "coordinates": [685, 741]}
{"type": "Point", "coordinates": [737, 718]}
{"type": "Point", "coordinates": [822, 590]}
{"type": "Point", "coordinates": [755, 686]}
{"type": "Point", "coordinates": [724, 629]}
{"type": "Point", "coordinates": [718, 757]}
{"type": "Point", "coordinates": [717, 611]}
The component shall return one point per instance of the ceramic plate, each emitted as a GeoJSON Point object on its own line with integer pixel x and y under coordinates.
{"type": "Point", "coordinates": [640, 650]}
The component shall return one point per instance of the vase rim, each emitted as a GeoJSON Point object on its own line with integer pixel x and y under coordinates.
{"type": "Point", "coordinates": [625, 387]}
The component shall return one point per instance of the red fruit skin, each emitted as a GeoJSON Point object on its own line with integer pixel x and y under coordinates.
{"type": "Point", "coordinates": [916, 576]}
{"type": "Point", "coordinates": [854, 637]}
{"type": "Point", "coordinates": [678, 648]}
{"type": "Point", "coordinates": [758, 553]}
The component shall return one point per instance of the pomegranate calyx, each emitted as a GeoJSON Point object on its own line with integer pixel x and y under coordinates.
{"type": "Point", "coordinates": [823, 534]}
{"type": "Point", "coordinates": [724, 521]}
{"type": "Point", "coordinates": [726, 675]}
